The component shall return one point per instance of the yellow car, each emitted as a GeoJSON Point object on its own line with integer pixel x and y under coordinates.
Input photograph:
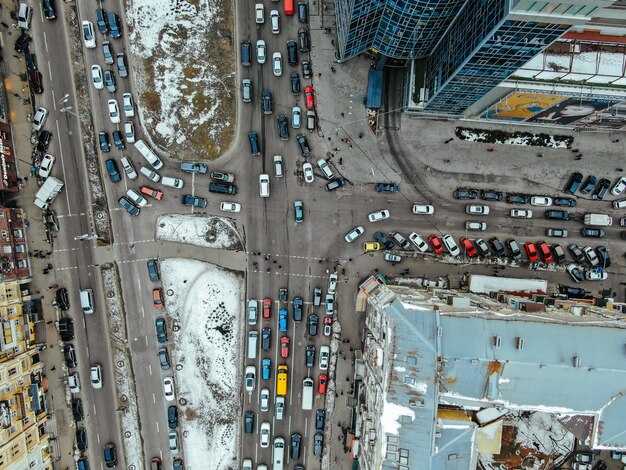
{"type": "Point", "coordinates": [371, 246]}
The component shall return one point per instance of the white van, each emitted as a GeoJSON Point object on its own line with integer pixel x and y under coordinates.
{"type": "Point", "coordinates": [86, 301]}
{"type": "Point", "coordinates": [172, 182]}
{"type": "Point", "coordinates": [253, 308]}
{"type": "Point", "coordinates": [279, 454]}
{"type": "Point", "coordinates": [128, 168]}
{"type": "Point", "coordinates": [278, 166]}
{"type": "Point", "coordinates": [307, 393]}
{"type": "Point", "coordinates": [619, 204]}
{"type": "Point", "coordinates": [253, 339]}
{"type": "Point", "coordinates": [264, 185]}
{"type": "Point", "coordinates": [147, 153]}
{"type": "Point", "coordinates": [24, 15]}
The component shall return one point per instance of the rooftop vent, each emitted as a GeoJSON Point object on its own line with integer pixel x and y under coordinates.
{"type": "Point", "coordinates": [576, 361]}
{"type": "Point", "coordinates": [519, 342]}
{"type": "Point", "coordinates": [497, 342]}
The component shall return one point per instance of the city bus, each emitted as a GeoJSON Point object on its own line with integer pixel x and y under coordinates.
{"type": "Point", "coordinates": [288, 7]}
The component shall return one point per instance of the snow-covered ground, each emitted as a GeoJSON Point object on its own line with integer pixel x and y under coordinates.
{"type": "Point", "coordinates": [200, 230]}
{"type": "Point", "coordinates": [205, 303]}
{"type": "Point", "coordinates": [186, 88]}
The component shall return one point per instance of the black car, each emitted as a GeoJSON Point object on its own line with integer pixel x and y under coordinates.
{"type": "Point", "coordinates": [105, 145]}
{"type": "Point", "coordinates": [118, 140]}
{"type": "Point", "coordinates": [196, 201]}
{"type": "Point", "coordinates": [336, 184]}
{"type": "Point", "coordinates": [603, 256]}
{"type": "Point", "coordinates": [559, 253]}
{"type": "Point", "coordinates": [564, 202]}
{"type": "Point", "coordinates": [576, 253]}
{"type": "Point", "coordinates": [112, 170]}
{"type": "Point", "coordinates": [320, 418]}
{"type": "Point", "coordinates": [517, 199]}
{"type": "Point", "coordinates": [161, 330]}
{"type": "Point", "coordinates": [557, 215]}
{"type": "Point", "coordinates": [576, 292]}
{"type": "Point", "coordinates": [153, 270]}
{"type": "Point", "coordinates": [303, 12]}
{"type": "Point", "coordinates": [248, 422]}
{"type": "Point", "coordinates": [48, 9]}
{"type": "Point", "coordinates": [81, 439]}
{"type": "Point", "coordinates": [283, 127]}
{"type": "Point", "coordinates": [223, 188]}
{"type": "Point", "coordinates": [297, 309]}
{"type": "Point", "coordinates": [303, 38]}
{"type": "Point", "coordinates": [601, 189]}
{"type": "Point", "coordinates": [592, 232]}
{"type": "Point", "coordinates": [266, 339]}
{"type": "Point", "coordinates": [283, 294]}
{"type": "Point", "coordinates": [43, 142]}
{"type": "Point", "coordinates": [307, 71]}
{"type": "Point", "coordinates": [590, 182]}
{"type": "Point", "coordinates": [387, 187]}
{"type": "Point", "coordinates": [383, 240]}
{"type": "Point", "coordinates": [292, 52]}
{"type": "Point", "coordinates": [255, 148]}
{"type": "Point", "coordinates": [66, 329]}
{"type": "Point", "coordinates": [491, 195]}
{"type": "Point", "coordinates": [69, 354]}
{"type": "Point", "coordinates": [21, 43]}
{"type": "Point", "coordinates": [303, 143]}
{"type": "Point", "coordinates": [172, 417]}
{"type": "Point", "coordinates": [312, 324]}
{"type": "Point", "coordinates": [63, 299]}
{"type": "Point", "coordinates": [573, 183]}
{"type": "Point", "coordinates": [266, 101]}
{"type": "Point", "coordinates": [497, 246]}
{"type": "Point", "coordinates": [295, 83]}
{"type": "Point", "coordinates": [464, 193]}
{"type": "Point", "coordinates": [77, 409]}
{"type": "Point", "coordinates": [295, 446]}
{"type": "Point", "coordinates": [35, 81]}
{"type": "Point", "coordinates": [309, 356]}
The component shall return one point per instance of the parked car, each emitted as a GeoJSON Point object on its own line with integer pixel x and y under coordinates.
{"type": "Point", "coordinates": [601, 189]}
{"type": "Point", "coordinates": [557, 215]}
{"type": "Point", "coordinates": [588, 185]}
{"type": "Point", "coordinates": [576, 253]}
{"type": "Point", "coordinates": [573, 183]}
{"type": "Point", "coordinates": [387, 187]}
{"type": "Point", "coordinates": [464, 193]}
{"type": "Point", "coordinates": [312, 322]}
{"type": "Point", "coordinates": [517, 199]}
{"type": "Point", "coordinates": [491, 195]}
{"type": "Point", "coordinates": [575, 273]}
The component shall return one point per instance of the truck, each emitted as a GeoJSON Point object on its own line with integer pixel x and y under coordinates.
{"type": "Point", "coordinates": [281, 380]}
{"type": "Point", "coordinates": [48, 192]}
{"type": "Point", "coordinates": [307, 393]}
{"type": "Point", "coordinates": [599, 220]}
{"type": "Point", "coordinates": [147, 153]}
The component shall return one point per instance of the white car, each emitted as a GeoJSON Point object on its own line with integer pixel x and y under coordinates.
{"type": "Point", "coordinates": [73, 380]}
{"type": "Point", "coordinates": [296, 117]}
{"type": "Point", "coordinates": [475, 225]}
{"type": "Point", "coordinates": [264, 185]}
{"type": "Point", "coordinates": [522, 213]}
{"type": "Point", "coordinates": [543, 201]}
{"type": "Point", "coordinates": [423, 209]}
{"type": "Point", "coordinates": [266, 432]}
{"type": "Point", "coordinates": [419, 242]}
{"type": "Point", "coordinates": [114, 112]}
{"type": "Point", "coordinates": [451, 245]}
{"type": "Point", "coordinates": [136, 198]}
{"type": "Point", "coordinates": [259, 10]}
{"type": "Point", "coordinates": [47, 162]}
{"type": "Point", "coordinates": [96, 77]}
{"type": "Point", "coordinates": [230, 207]}
{"type": "Point", "coordinates": [324, 357]}
{"type": "Point", "coordinates": [129, 169]}
{"type": "Point", "coordinates": [618, 187]}
{"type": "Point", "coordinates": [325, 167]}
{"type": "Point", "coordinates": [151, 175]}
{"type": "Point", "coordinates": [261, 51]}
{"type": "Point", "coordinates": [332, 283]}
{"type": "Point", "coordinates": [591, 256]}
{"type": "Point", "coordinates": [264, 399]}
{"type": "Point", "coordinates": [275, 21]}
{"type": "Point", "coordinates": [277, 64]}
{"type": "Point", "coordinates": [39, 119]}
{"type": "Point", "coordinates": [378, 215]}
{"type": "Point", "coordinates": [88, 35]}
{"type": "Point", "coordinates": [247, 464]}
{"type": "Point", "coordinates": [392, 258]}
{"type": "Point", "coordinates": [173, 440]}
{"type": "Point", "coordinates": [593, 275]}
{"type": "Point", "coordinates": [96, 376]}
{"type": "Point", "coordinates": [129, 105]}
{"type": "Point", "coordinates": [168, 388]}
{"type": "Point", "coordinates": [476, 209]}
{"type": "Point", "coordinates": [250, 378]}
{"type": "Point", "coordinates": [353, 234]}
{"type": "Point", "coordinates": [129, 132]}
{"type": "Point", "coordinates": [307, 168]}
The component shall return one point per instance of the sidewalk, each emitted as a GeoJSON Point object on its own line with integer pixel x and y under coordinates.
{"type": "Point", "coordinates": [21, 108]}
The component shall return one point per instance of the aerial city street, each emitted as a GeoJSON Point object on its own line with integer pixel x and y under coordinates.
{"type": "Point", "coordinates": [303, 234]}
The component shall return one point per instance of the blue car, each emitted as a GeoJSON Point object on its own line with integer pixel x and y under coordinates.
{"type": "Point", "coordinates": [266, 368]}
{"type": "Point", "coordinates": [282, 321]}
{"type": "Point", "coordinates": [114, 173]}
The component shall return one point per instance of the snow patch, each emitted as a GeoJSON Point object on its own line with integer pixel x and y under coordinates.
{"type": "Point", "coordinates": [200, 230]}
{"type": "Point", "coordinates": [390, 418]}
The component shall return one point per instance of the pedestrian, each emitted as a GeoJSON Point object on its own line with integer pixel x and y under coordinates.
{"type": "Point", "coordinates": [33, 170]}
{"type": "Point", "coordinates": [333, 70]}
{"type": "Point", "coordinates": [350, 145]}
{"type": "Point", "coordinates": [349, 259]}
{"type": "Point", "coordinates": [319, 75]}
{"type": "Point", "coordinates": [343, 115]}
{"type": "Point", "coordinates": [280, 266]}
{"type": "Point", "coordinates": [25, 178]}
{"type": "Point", "coordinates": [329, 138]}
{"type": "Point", "coordinates": [49, 322]}
{"type": "Point", "coordinates": [332, 42]}
{"type": "Point", "coordinates": [6, 26]}
{"type": "Point", "coordinates": [16, 56]}
{"type": "Point", "coordinates": [616, 141]}
{"type": "Point", "coordinates": [53, 368]}
{"type": "Point", "coordinates": [341, 160]}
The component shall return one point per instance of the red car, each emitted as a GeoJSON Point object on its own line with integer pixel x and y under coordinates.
{"type": "Point", "coordinates": [531, 251]}
{"type": "Point", "coordinates": [309, 97]}
{"type": "Point", "coordinates": [435, 243]}
{"type": "Point", "coordinates": [284, 347]}
{"type": "Point", "coordinates": [467, 244]}
{"type": "Point", "coordinates": [545, 251]}
{"type": "Point", "coordinates": [321, 387]}
{"type": "Point", "coordinates": [157, 298]}
{"type": "Point", "coordinates": [267, 308]}
{"type": "Point", "coordinates": [155, 193]}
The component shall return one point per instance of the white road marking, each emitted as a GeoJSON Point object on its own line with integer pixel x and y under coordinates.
{"type": "Point", "coordinates": [45, 41]}
{"type": "Point", "coordinates": [153, 398]}
{"type": "Point", "coordinates": [157, 426]}
{"type": "Point", "coordinates": [150, 368]}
